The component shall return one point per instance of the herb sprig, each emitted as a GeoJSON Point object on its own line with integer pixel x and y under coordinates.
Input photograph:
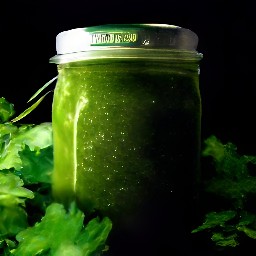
{"type": "Point", "coordinates": [31, 222]}
{"type": "Point", "coordinates": [234, 181]}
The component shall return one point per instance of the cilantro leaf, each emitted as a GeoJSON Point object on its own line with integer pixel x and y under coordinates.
{"type": "Point", "coordinates": [214, 219]}
{"type": "Point", "coordinates": [63, 233]}
{"type": "Point", "coordinates": [13, 217]}
{"type": "Point", "coordinates": [35, 137]}
{"type": "Point", "coordinates": [234, 181]}
{"type": "Point", "coordinates": [36, 165]}
{"type": "Point", "coordinates": [6, 110]}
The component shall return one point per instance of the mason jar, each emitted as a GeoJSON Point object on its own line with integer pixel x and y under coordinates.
{"type": "Point", "coordinates": [126, 120]}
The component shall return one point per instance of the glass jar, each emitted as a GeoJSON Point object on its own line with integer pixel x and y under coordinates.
{"type": "Point", "coordinates": [126, 122]}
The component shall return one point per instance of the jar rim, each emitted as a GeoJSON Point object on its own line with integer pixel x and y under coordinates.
{"type": "Point", "coordinates": [128, 54]}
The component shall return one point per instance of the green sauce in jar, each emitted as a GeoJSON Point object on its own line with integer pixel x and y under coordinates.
{"type": "Point", "coordinates": [126, 129]}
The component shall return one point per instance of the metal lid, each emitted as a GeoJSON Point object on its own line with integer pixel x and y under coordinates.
{"type": "Point", "coordinates": [124, 36]}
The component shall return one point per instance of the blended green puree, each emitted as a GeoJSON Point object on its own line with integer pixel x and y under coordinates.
{"type": "Point", "coordinates": [127, 143]}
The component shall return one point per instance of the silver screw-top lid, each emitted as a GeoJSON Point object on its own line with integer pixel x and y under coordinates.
{"type": "Point", "coordinates": [124, 36]}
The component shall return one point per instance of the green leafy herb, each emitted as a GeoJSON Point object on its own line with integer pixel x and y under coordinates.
{"type": "Point", "coordinates": [6, 110]}
{"type": "Point", "coordinates": [233, 181]}
{"type": "Point", "coordinates": [31, 222]}
{"type": "Point", "coordinates": [61, 233]}
{"type": "Point", "coordinates": [13, 217]}
{"type": "Point", "coordinates": [15, 139]}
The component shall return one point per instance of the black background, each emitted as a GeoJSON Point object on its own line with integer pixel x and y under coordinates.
{"type": "Point", "coordinates": [226, 31]}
